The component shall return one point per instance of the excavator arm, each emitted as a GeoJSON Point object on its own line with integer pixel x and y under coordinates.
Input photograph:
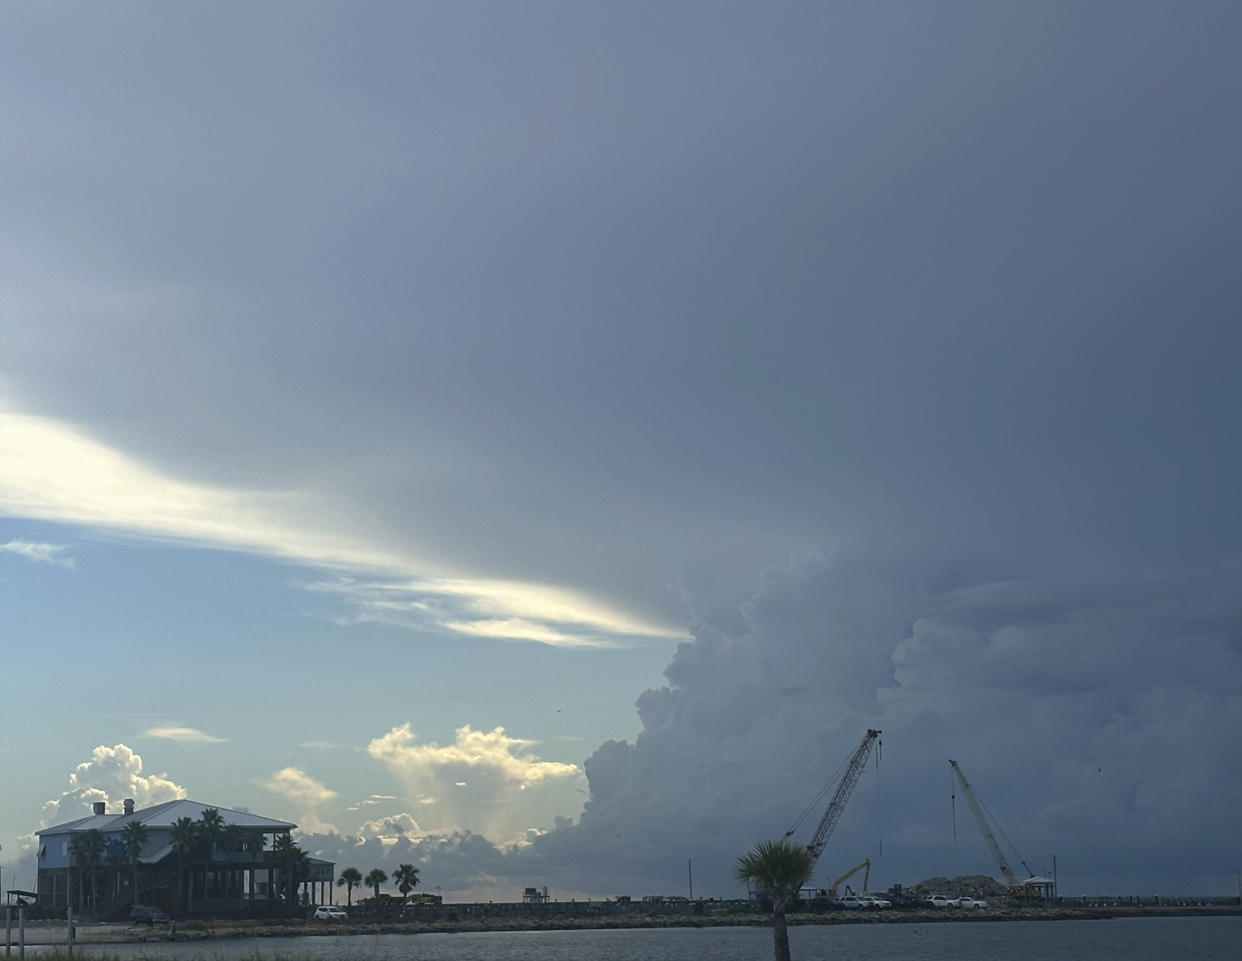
{"type": "Point", "coordinates": [864, 863]}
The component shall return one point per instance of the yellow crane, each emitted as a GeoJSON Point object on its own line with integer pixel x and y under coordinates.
{"type": "Point", "coordinates": [864, 863]}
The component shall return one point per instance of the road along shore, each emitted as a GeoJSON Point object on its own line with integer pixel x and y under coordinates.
{"type": "Point", "coordinates": [206, 930]}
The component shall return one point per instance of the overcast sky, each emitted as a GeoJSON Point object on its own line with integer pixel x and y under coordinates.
{"type": "Point", "coordinates": [540, 439]}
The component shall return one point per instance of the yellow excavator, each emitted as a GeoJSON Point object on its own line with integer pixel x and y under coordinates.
{"type": "Point", "coordinates": [864, 863]}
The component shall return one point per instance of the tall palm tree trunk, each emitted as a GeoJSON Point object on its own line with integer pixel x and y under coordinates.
{"type": "Point", "coordinates": [780, 932]}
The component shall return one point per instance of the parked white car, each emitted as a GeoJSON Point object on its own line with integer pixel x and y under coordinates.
{"type": "Point", "coordinates": [871, 901]}
{"type": "Point", "coordinates": [849, 901]}
{"type": "Point", "coordinates": [326, 912]}
{"type": "Point", "coordinates": [969, 902]}
{"type": "Point", "coordinates": [940, 901]}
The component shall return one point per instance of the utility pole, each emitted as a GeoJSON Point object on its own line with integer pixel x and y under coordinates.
{"type": "Point", "coordinates": [690, 872]}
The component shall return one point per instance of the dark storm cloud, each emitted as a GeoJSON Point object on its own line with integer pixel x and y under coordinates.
{"type": "Point", "coordinates": [612, 298]}
{"type": "Point", "coordinates": [962, 276]}
{"type": "Point", "coordinates": [1099, 730]}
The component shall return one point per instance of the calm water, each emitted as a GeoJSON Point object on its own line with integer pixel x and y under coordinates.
{"type": "Point", "coordinates": [1136, 939]}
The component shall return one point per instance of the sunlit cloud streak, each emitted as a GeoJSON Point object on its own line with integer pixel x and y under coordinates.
{"type": "Point", "coordinates": [52, 472]}
{"type": "Point", "coordinates": [179, 732]}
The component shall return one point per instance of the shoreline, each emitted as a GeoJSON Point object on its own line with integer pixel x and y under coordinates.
{"type": "Point", "coordinates": [121, 933]}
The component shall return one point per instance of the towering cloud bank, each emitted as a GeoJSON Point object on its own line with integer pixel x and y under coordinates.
{"type": "Point", "coordinates": [1094, 718]}
{"type": "Point", "coordinates": [1097, 720]}
{"type": "Point", "coordinates": [485, 781]}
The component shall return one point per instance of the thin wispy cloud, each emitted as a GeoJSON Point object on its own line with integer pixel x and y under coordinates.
{"type": "Point", "coordinates": [504, 610]}
{"type": "Point", "coordinates": [52, 472]}
{"type": "Point", "coordinates": [40, 553]}
{"type": "Point", "coordinates": [372, 801]}
{"type": "Point", "coordinates": [179, 732]}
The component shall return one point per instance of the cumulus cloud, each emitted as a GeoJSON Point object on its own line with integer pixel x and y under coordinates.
{"type": "Point", "coordinates": [178, 732]}
{"type": "Point", "coordinates": [306, 794]}
{"type": "Point", "coordinates": [496, 784]}
{"type": "Point", "coordinates": [39, 552]}
{"type": "Point", "coordinates": [1095, 718]}
{"type": "Point", "coordinates": [1080, 722]}
{"type": "Point", "coordinates": [391, 827]}
{"type": "Point", "coordinates": [111, 774]}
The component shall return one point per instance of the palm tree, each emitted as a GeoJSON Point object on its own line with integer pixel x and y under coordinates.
{"type": "Point", "coordinates": [210, 825]}
{"type": "Point", "coordinates": [232, 841]}
{"type": "Point", "coordinates": [406, 878]}
{"type": "Point", "coordinates": [134, 837]}
{"type": "Point", "coordinates": [374, 880]}
{"type": "Point", "coordinates": [255, 840]}
{"type": "Point", "coordinates": [349, 877]}
{"type": "Point", "coordinates": [299, 867]}
{"type": "Point", "coordinates": [184, 840]}
{"type": "Point", "coordinates": [777, 870]}
{"type": "Point", "coordinates": [118, 862]}
{"type": "Point", "coordinates": [88, 849]}
{"type": "Point", "coordinates": [293, 858]}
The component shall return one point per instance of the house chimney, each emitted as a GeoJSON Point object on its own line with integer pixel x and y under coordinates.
{"type": "Point", "coordinates": [100, 807]}
{"type": "Point", "coordinates": [129, 805]}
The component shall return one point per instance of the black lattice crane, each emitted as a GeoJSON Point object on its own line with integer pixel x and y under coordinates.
{"type": "Point", "coordinates": [848, 775]}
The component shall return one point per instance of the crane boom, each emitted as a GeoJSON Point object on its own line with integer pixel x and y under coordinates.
{"type": "Point", "coordinates": [852, 772]}
{"type": "Point", "coordinates": [984, 828]}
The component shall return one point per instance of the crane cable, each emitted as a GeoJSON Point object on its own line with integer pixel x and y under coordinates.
{"type": "Point", "coordinates": [817, 801]}
{"type": "Point", "coordinates": [879, 796]}
{"type": "Point", "coordinates": [953, 802]}
{"type": "Point", "coordinates": [1012, 847]}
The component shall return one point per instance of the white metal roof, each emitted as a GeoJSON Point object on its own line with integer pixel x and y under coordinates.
{"type": "Point", "coordinates": [163, 816]}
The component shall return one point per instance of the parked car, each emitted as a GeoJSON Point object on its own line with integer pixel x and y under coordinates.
{"type": "Point", "coordinates": [871, 901]}
{"type": "Point", "coordinates": [144, 914]}
{"type": "Point", "coordinates": [850, 901]}
{"type": "Point", "coordinates": [968, 902]}
{"type": "Point", "coordinates": [940, 901]}
{"type": "Point", "coordinates": [326, 912]}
